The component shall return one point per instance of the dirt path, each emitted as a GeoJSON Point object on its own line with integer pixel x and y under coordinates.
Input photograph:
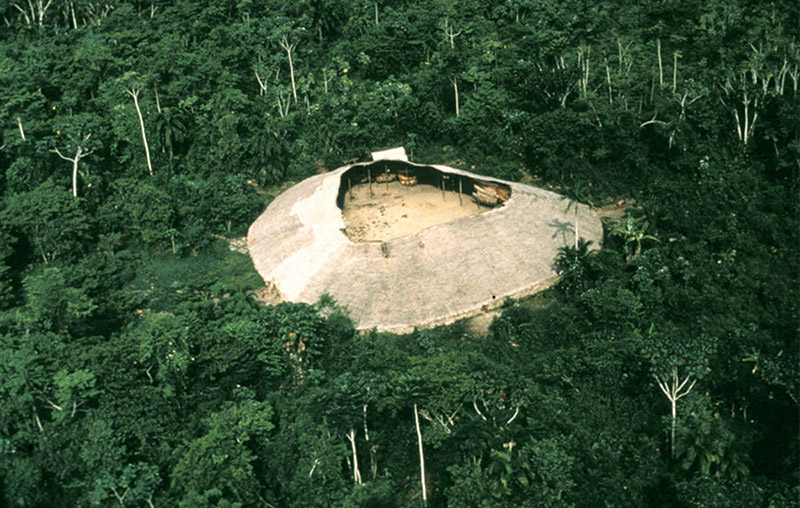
{"type": "Point", "coordinates": [396, 210]}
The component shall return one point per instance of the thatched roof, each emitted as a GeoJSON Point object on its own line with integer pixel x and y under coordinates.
{"type": "Point", "coordinates": [436, 276]}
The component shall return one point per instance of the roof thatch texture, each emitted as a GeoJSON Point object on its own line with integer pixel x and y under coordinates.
{"type": "Point", "coordinates": [436, 276]}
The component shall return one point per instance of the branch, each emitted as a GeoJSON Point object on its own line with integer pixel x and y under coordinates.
{"type": "Point", "coordinates": [55, 150]}
{"type": "Point", "coordinates": [687, 390]}
{"type": "Point", "coordinates": [663, 387]}
{"type": "Point", "coordinates": [475, 405]}
{"type": "Point", "coordinates": [20, 9]}
{"type": "Point", "coordinates": [450, 418]}
{"type": "Point", "coordinates": [122, 497]}
{"type": "Point", "coordinates": [423, 413]}
{"type": "Point", "coordinates": [516, 413]}
{"type": "Point", "coordinates": [316, 463]}
{"type": "Point", "coordinates": [653, 120]}
{"type": "Point", "coordinates": [682, 384]}
{"type": "Point", "coordinates": [54, 405]}
{"type": "Point", "coordinates": [261, 83]}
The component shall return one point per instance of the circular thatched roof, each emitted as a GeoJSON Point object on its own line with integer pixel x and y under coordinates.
{"type": "Point", "coordinates": [436, 276]}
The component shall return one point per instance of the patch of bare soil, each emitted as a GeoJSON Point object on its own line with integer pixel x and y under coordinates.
{"type": "Point", "coordinates": [616, 211]}
{"type": "Point", "coordinates": [478, 326]}
{"type": "Point", "coordinates": [396, 210]}
{"type": "Point", "coordinates": [238, 244]}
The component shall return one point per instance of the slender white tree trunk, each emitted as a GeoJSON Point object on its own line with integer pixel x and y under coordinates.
{"type": "Point", "coordinates": [455, 91]}
{"type": "Point", "coordinates": [133, 92]}
{"type": "Point", "coordinates": [660, 66]}
{"type": "Point", "coordinates": [42, 9]}
{"type": "Point", "coordinates": [158, 102]}
{"type": "Point", "coordinates": [421, 458]}
{"type": "Point", "coordinates": [451, 34]}
{"type": "Point", "coordinates": [79, 154]}
{"type": "Point", "coordinates": [284, 42]}
{"type": "Point", "coordinates": [75, 173]}
{"type": "Point", "coordinates": [674, 390]}
{"type": "Point", "coordinates": [351, 436]}
{"type": "Point", "coordinates": [291, 74]}
{"type": "Point", "coordinates": [72, 13]}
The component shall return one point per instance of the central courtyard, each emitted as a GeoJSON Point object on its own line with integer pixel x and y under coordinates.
{"type": "Point", "coordinates": [392, 210]}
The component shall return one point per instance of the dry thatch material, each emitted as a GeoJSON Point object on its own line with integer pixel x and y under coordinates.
{"type": "Point", "coordinates": [436, 276]}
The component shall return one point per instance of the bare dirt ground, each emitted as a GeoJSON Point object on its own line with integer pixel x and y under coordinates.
{"type": "Point", "coordinates": [396, 210]}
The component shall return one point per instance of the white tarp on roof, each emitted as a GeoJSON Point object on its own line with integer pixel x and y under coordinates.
{"type": "Point", "coordinates": [392, 154]}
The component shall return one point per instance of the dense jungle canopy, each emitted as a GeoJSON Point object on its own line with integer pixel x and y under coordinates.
{"type": "Point", "coordinates": [139, 139]}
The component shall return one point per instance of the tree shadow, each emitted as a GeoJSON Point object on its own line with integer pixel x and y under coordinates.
{"type": "Point", "coordinates": [561, 228]}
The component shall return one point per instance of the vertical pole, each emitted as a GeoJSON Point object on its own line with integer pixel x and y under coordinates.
{"type": "Point", "coordinates": [369, 176]}
{"type": "Point", "coordinates": [387, 181]}
{"type": "Point", "coordinates": [443, 199]}
{"type": "Point", "coordinates": [349, 188]}
{"type": "Point", "coordinates": [460, 202]}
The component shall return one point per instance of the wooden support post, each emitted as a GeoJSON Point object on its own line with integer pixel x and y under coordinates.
{"type": "Point", "coordinates": [443, 199]}
{"type": "Point", "coordinates": [387, 181]}
{"type": "Point", "coordinates": [349, 188]}
{"type": "Point", "coordinates": [369, 176]}
{"type": "Point", "coordinates": [460, 202]}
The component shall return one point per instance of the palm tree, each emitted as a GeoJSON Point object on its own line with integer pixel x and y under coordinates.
{"type": "Point", "coordinates": [634, 232]}
{"type": "Point", "coordinates": [171, 129]}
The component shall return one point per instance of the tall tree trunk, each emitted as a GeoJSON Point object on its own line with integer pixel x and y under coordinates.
{"type": "Point", "coordinates": [660, 66]}
{"type": "Point", "coordinates": [674, 390]}
{"type": "Point", "coordinates": [284, 42]}
{"type": "Point", "coordinates": [79, 154]}
{"type": "Point", "coordinates": [421, 458]}
{"type": "Point", "coordinates": [72, 13]}
{"type": "Point", "coordinates": [672, 427]}
{"type": "Point", "coordinates": [133, 92]}
{"type": "Point", "coordinates": [351, 436]}
{"type": "Point", "coordinates": [455, 92]}
{"type": "Point", "coordinates": [75, 173]}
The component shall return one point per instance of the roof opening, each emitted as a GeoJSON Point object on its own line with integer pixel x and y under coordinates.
{"type": "Point", "coordinates": [389, 199]}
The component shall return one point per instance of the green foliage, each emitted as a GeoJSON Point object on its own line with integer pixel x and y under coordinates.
{"type": "Point", "coordinates": [671, 349]}
{"type": "Point", "coordinates": [715, 493]}
{"type": "Point", "coordinates": [710, 444]}
{"type": "Point", "coordinates": [137, 369]}
{"type": "Point", "coordinates": [217, 468]}
{"type": "Point", "coordinates": [633, 233]}
{"type": "Point", "coordinates": [52, 304]}
{"type": "Point", "coordinates": [6, 288]}
{"type": "Point", "coordinates": [50, 220]}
